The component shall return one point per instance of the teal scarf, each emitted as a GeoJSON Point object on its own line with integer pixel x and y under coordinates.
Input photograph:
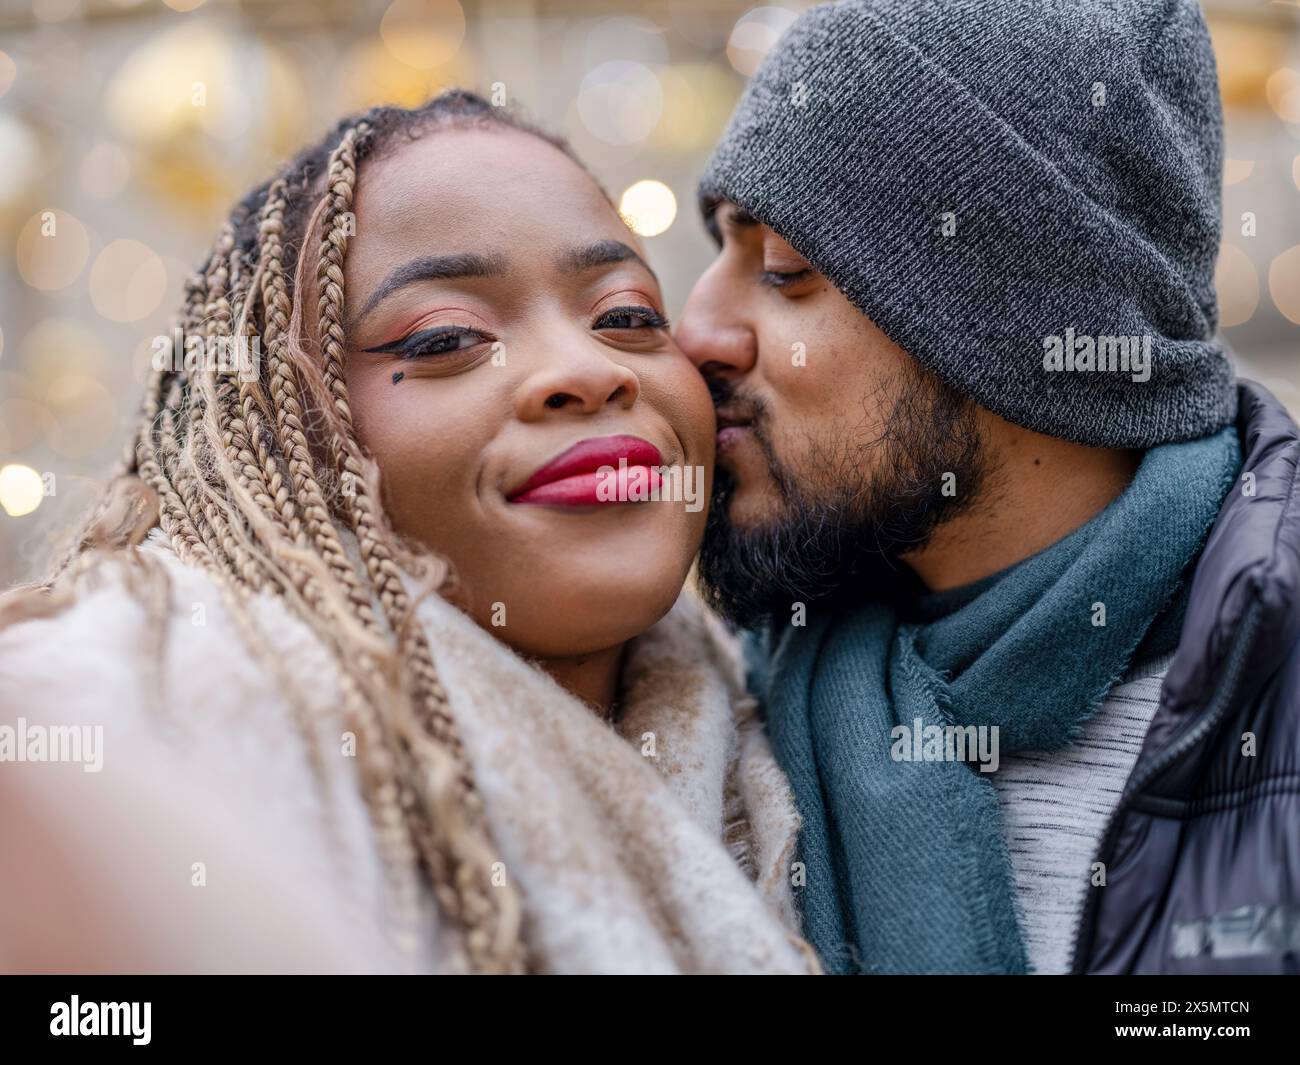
{"type": "Point", "coordinates": [904, 863]}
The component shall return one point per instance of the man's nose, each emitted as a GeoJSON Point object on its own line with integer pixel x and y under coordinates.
{"type": "Point", "coordinates": [713, 330]}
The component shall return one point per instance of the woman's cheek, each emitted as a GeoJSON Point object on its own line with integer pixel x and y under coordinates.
{"type": "Point", "coordinates": [424, 444]}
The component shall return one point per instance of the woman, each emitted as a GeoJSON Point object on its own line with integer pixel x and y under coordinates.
{"type": "Point", "coordinates": [549, 766]}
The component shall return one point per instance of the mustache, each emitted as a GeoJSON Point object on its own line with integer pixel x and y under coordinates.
{"type": "Point", "coordinates": [739, 405]}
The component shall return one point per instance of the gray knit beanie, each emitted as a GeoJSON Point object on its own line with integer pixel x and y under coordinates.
{"type": "Point", "coordinates": [1022, 194]}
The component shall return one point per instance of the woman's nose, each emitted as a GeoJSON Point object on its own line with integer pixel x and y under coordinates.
{"type": "Point", "coordinates": [579, 380]}
{"type": "Point", "coordinates": [714, 336]}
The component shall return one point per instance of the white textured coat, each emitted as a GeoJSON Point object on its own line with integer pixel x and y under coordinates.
{"type": "Point", "coordinates": [660, 844]}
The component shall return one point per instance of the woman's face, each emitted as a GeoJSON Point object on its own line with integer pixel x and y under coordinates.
{"type": "Point", "coordinates": [501, 317]}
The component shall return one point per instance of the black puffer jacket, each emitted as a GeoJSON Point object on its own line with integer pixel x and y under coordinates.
{"type": "Point", "coordinates": [1202, 855]}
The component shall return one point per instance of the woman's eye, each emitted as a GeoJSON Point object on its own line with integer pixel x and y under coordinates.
{"type": "Point", "coordinates": [631, 318]}
{"type": "Point", "coordinates": [443, 340]}
{"type": "Point", "coordinates": [783, 279]}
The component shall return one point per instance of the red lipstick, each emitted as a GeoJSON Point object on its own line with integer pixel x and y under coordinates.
{"type": "Point", "coordinates": [573, 478]}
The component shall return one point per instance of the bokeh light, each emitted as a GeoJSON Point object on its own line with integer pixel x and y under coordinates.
{"type": "Point", "coordinates": [25, 424]}
{"type": "Point", "coordinates": [423, 33]}
{"type": "Point", "coordinates": [698, 99]}
{"type": "Point", "coordinates": [631, 38]}
{"type": "Point", "coordinates": [198, 80]}
{"type": "Point", "coordinates": [1237, 282]}
{"type": "Point", "coordinates": [21, 490]}
{"type": "Point", "coordinates": [21, 152]}
{"type": "Point", "coordinates": [754, 35]}
{"type": "Point", "coordinates": [127, 281]}
{"type": "Point", "coordinates": [85, 416]}
{"type": "Point", "coordinates": [57, 347]}
{"type": "Point", "coordinates": [648, 207]}
{"type": "Point", "coordinates": [105, 170]}
{"type": "Point", "coordinates": [699, 24]}
{"type": "Point", "coordinates": [1284, 283]}
{"type": "Point", "coordinates": [368, 75]}
{"type": "Point", "coordinates": [52, 249]}
{"type": "Point", "coordinates": [1235, 171]}
{"type": "Point", "coordinates": [621, 102]}
{"type": "Point", "coordinates": [1283, 92]}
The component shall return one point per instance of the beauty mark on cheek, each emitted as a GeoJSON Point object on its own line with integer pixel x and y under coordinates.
{"type": "Point", "coordinates": [398, 376]}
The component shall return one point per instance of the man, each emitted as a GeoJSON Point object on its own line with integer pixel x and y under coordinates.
{"type": "Point", "coordinates": [1022, 557]}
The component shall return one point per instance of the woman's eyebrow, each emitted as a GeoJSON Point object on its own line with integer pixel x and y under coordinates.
{"type": "Point", "coordinates": [603, 253]}
{"type": "Point", "coordinates": [434, 268]}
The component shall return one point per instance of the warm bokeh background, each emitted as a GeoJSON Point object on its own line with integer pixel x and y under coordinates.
{"type": "Point", "coordinates": [138, 122]}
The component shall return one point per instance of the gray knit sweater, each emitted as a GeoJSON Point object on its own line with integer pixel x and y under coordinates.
{"type": "Point", "coordinates": [1055, 807]}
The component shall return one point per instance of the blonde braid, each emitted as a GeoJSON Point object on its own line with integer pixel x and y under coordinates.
{"type": "Point", "coordinates": [458, 827]}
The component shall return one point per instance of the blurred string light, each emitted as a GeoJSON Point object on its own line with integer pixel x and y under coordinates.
{"type": "Point", "coordinates": [423, 34]}
{"type": "Point", "coordinates": [753, 36]}
{"type": "Point", "coordinates": [1284, 283]}
{"type": "Point", "coordinates": [649, 207]}
{"type": "Point", "coordinates": [21, 490]}
{"type": "Point", "coordinates": [52, 250]}
{"type": "Point", "coordinates": [1237, 283]}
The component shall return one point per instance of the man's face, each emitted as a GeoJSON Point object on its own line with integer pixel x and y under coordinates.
{"type": "Point", "coordinates": [833, 442]}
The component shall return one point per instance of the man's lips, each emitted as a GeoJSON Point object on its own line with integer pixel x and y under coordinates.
{"type": "Point", "coordinates": [573, 479]}
{"type": "Point", "coordinates": [732, 427]}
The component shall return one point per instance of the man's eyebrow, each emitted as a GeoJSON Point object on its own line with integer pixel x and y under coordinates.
{"type": "Point", "coordinates": [603, 253]}
{"type": "Point", "coordinates": [736, 218]}
{"type": "Point", "coordinates": [434, 268]}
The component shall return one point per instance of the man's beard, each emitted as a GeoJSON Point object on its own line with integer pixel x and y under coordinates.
{"type": "Point", "coordinates": [845, 527]}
